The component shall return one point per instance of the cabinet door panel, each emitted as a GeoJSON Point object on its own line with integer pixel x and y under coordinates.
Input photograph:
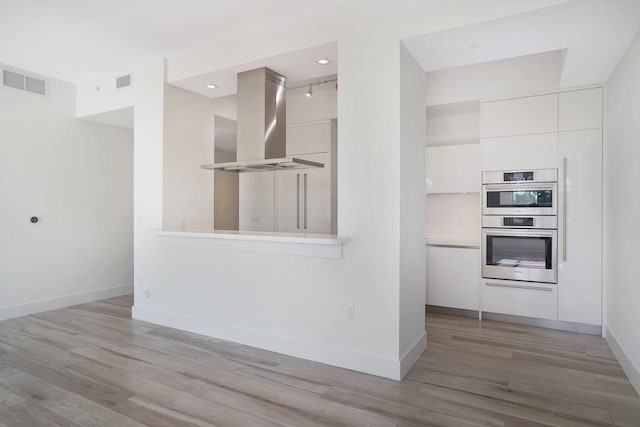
{"type": "Point", "coordinates": [304, 197]}
{"type": "Point", "coordinates": [520, 116]}
{"type": "Point", "coordinates": [520, 152]}
{"type": "Point", "coordinates": [453, 277]}
{"type": "Point", "coordinates": [527, 299]}
{"type": "Point", "coordinates": [580, 227]}
{"type": "Point", "coordinates": [288, 201]}
{"type": "Point", "coordinates": [309, 138]}
{"type": "Point", "coordinates": [316, 195]}
{"type": "Point", "coordinates": [581, 109]}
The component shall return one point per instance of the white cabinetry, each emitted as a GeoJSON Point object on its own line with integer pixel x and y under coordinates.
{"type": "Point", "coordinates": [580, 227]}
{"type": "Point", "coordinates": [453, 169]}
{"type": "Point", "coordinates": [453, 277]}
{"type": "Point", "coordinates": [309, 138]}
{"type": "Point", "coordinates": [538, 151]}
{"type": "Point", "coordinates": [304, 197]}
{"type": "Point", "coordinates": [561, 131]}
{"type": "Point", "coordinates": [520, 116]}
{"type": "Point", "coordinates": [581, 109]}
{"type": "Point", "coordinates": [527, 299]}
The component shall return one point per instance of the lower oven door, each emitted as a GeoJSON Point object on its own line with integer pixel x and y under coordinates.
{"type": "Point", "coordinates": [528, 255]}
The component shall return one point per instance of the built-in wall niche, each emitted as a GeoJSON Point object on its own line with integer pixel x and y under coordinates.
{"type": "Point", "coordinates": [452, 172]}
{"type": "Point", "coordinates": [453, 124]}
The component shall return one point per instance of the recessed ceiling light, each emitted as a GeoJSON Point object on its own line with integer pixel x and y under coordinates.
{"type": "Point", "coordinates": [211, 86]}
{"type": "Point", "coordinates": [323, 61]}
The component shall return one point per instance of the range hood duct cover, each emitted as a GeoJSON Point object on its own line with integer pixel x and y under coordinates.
{"type": "Point", "coordinates": [262, 125]}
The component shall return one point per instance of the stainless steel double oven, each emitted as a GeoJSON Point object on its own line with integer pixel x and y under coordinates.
{"type": "Point", "coordinates": [520, 225]}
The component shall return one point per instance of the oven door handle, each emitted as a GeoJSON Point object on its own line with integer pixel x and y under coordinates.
{"type": "Point", "coordinates": [519, 187]}
{"type": "Point", "coordinates": [533, 288]}
{"type": "Point", "coordinates": [519, 232]}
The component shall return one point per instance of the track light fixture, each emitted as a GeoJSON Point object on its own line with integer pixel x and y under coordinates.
{"type": "Point", "coordinates": [310, 91]}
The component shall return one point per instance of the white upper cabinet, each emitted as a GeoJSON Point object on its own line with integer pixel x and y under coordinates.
{"type": "Point", "coordinates": [520, 152]}
{"type": "Point", "coordinates": [453, 169]}
{"type": "Point", "coordinates": [309, 138]}
{"type": "Point", "coordinates": [520, 116]}
{"type": "Point", "coordinates": [581, 109]}
{"type": "Point", "coordinates": [580, 227]}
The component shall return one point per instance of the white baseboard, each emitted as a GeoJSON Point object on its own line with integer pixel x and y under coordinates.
{"type": "Point", "coordinates": [317, 352]}
{"type": "Point", "coordinates": [626, 362]}
{"type": "Point", "coordinates": [412, 355]}
{"type": "Point", "coordinates": [47, 304]}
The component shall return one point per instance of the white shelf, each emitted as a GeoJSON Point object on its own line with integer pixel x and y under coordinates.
{"type": "Point", "coordinates": [456, 242]}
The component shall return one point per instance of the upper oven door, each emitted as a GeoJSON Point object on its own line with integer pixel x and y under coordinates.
{"type": "Point", "coordinates": [519, 199]}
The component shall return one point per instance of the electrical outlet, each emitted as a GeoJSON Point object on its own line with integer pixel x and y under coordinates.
{"type": "Point", "coordinates": [350, 312]}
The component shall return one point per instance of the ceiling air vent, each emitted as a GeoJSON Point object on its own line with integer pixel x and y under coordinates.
{"type": "Point", "coordinates": [14, 80]}
{"type": "Point", "coordinates": [36, 86]}
{"type": "Point", "coordinates": [124, 81]}
{"type": "Point", "coordinates": [22, 82]}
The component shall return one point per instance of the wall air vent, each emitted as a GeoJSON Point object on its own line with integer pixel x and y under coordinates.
{"type": "Point", "coordinates": [36, 86]}
{"type": "Point", "coordinates": [123, 81]}
{"type": "Point", "coordinates": [23, 82]}
{"type": "Point", "coordinates": [14, 80]}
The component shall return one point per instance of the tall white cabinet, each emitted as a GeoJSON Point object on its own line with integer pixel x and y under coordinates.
{"type": "Point", "coordinates": [306, 198]}
{"type": "Point", "coordinates": [580, 203]}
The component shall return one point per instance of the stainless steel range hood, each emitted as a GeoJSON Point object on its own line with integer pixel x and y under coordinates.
{"type": "Point", "coordinates": [262, 126]}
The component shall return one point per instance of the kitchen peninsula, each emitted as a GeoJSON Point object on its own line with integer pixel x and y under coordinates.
{"type": "Point", "coordinates": [304, 244]}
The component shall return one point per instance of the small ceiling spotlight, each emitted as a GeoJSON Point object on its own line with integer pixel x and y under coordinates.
{"type": "Point", "coordinates": [323, 61]}
{"type": "Point", "coordinates": [310, 92]}
{"type": "Point", "coordinates": [211, 86]}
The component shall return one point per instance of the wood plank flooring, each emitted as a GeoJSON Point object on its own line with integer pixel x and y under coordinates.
{"type": "Point", "coordinates": [91, 365]}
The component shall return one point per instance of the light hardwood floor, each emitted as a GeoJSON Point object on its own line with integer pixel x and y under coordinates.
{"type": "Point", "coordinates": [91, 365]}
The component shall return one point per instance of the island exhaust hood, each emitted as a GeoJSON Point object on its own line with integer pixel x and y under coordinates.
{"type": "Point", "coordinates": [262, 126]}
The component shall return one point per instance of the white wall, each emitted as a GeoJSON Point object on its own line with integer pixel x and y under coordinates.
{"type": "Point", "coordinates": [76, 176]}
{"type": "Point", "coordinates": [298, 301]}
{"type": "Point", "coordinates": [99, 95]}
{"type": "Point", "coordinates": [189, 129]}
{"type": "Point", "coordinates": [226, 184]}
{"type": "Point", "coordinates": [452, 124]}
{"type": "Point", "coordinates": [506, 77]}
{"type": "Point", "coordinates": [323, 105]}
{"type": "Point", "coordinates": [622, 208]}
{"type": "Point", "coordinates": [412, 205]}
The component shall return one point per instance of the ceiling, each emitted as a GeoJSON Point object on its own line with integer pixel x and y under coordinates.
{"type": "Point", "coordinates": [297, 66]}
{"type": "Point", "coordinates": [77, 39]}
{"type": "Point", "coordinates": [596, 33]}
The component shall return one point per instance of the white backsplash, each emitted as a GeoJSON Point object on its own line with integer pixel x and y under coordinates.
{"type": "Point", "coordinates": [453, 216]}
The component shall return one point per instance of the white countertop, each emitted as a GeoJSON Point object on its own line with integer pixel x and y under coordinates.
{"type": "Point", "coordinates": [453, 241]}
{"type": "Point", "coordinates": [304, 238]}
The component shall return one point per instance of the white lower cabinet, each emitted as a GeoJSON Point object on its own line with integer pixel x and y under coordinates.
{"type": "Point", "coordinates": [453, 277]}
{"type": "Point", "coordinates": [303, 198]}
{"type": "Point", "coordinates": [527, 299]}
{"type": "Point", "coordinates": [580, 227]}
